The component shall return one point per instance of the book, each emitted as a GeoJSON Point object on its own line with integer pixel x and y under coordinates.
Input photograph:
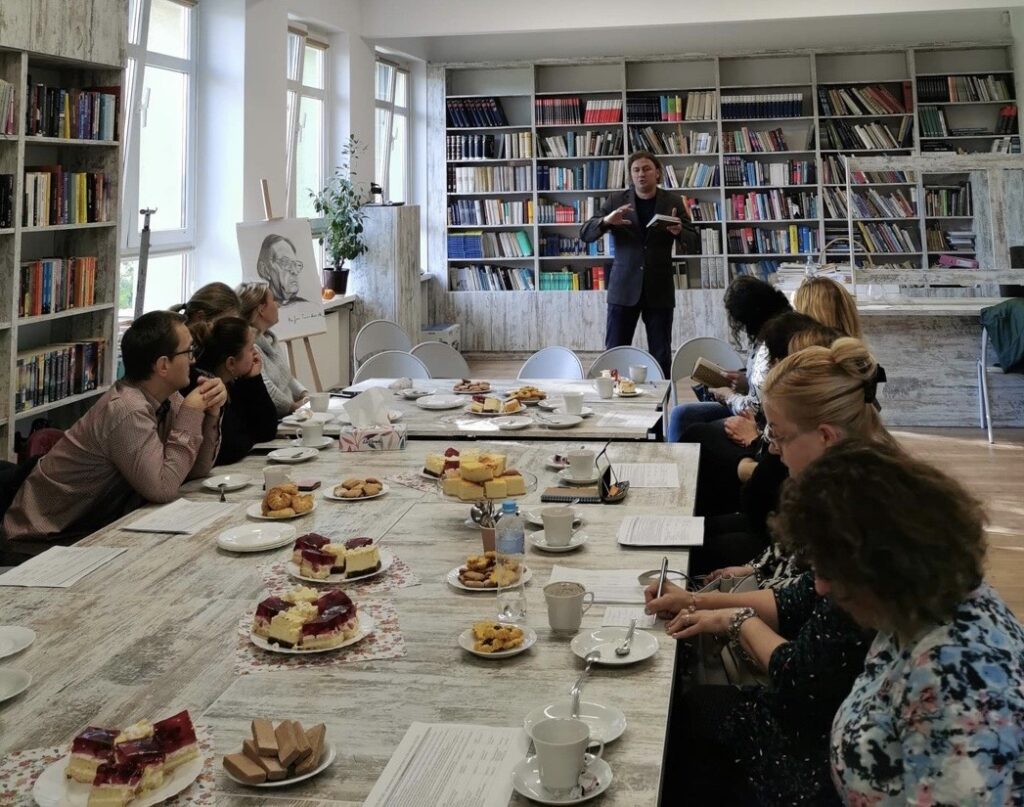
{"type": "Point", "coordinates": [661, 220]}
{"type": "Point", "coordinates": [710, 374]}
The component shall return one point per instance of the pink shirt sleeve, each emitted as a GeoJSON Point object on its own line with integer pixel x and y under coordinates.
{"type": "Point", "coordinates": [155, 469]}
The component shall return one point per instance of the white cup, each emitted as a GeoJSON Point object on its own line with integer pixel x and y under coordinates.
{"type": "Point", "coordinates": [605, 386]}
{"type": "Point", "coordinates": [274, 475]}
{"type": "Point", "coordinates": [557, 525]}
{"type": "Point", "coordinates": [567, 603]}
{"type": "Point", "coordinates": [638, 372]}
{"type": "Point", "coordinates": [573, 402]}
{"type": "Point", "coordinates": [561, 744]}
{"type": "Point", "coordinates": [319, 401]}
{"type": "Point", "coordinates": [581, 464]}
{"type": "Point", "coordinates": [312, 433]}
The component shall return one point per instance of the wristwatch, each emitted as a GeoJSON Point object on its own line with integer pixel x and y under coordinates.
{"type": "Point", "coordinates": [738, 618]}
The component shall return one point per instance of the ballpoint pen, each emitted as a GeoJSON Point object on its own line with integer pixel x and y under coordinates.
{"type": "Point", "coordinates": [661, 577]}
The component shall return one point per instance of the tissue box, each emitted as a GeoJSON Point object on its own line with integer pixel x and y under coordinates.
{"type": "Point", "coordinates": [375, 438]}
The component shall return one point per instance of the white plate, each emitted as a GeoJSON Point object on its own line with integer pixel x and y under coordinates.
{"type": "Point", "coordinates": [605, 640]}
{"type": "Point", "coordinates": [54, 788]}
{"type": "Point", "coordinates": [230, 481]}
{"type": "Point", "coordinates": [314, 417]}
{"type": "Point", "coordinates": [329, 494]}
{"type": "Point", "coordinates": [323, 443]}
{"type": "Point", "coordinates": [387, 557]}
{"type": "Point", "coordinates": [440, 402]}
{"type": "Point", "coordinates": [529, 640]}
{"type": "Point", "coordinates": [326, 758]}
{"type": "Point", "coordinates": [256, 538]}
{"type": "Point", "coordinates": [569, 479]}
{"type": "Point", "coordinates": [548, 405]}
{"type": "Point", "coordinates": [606, 722]}
{"type": "Point", "coordinates": [255, 510]}
{"type": "Point", "coordinates": [13, 682]}
{"type": "Point", "coordinates": [453, 580]}
{"type": "Point", "coordinates": [536, 518]}
{"type": "Point", "coordinates": [633, 394]}
{"type": "Point", "coordinates": [394, 416]}
{"type": "Point", "coordinates": [412, 393]}
{"type": "Point", "coordinates": [526, 781]}
{"type": "Point", "coordinates": [291, 456]}
{"type": "Point", "coordinates": [585, 412]}
{"type": "Point", "coordinates": [561, 421]}
{"type": "Point", "coordinates": [512, 423]}
{"type": "Point", "coordinates": [469, 411]}
{"type": "Point", "coordinates": [366, 627]}
{"type": "Point", "coordinates": [537, 539]}
{"type": "Point", "coordinates": [14, 639]}
{"type": "Point", "coordinates": [549, 462]}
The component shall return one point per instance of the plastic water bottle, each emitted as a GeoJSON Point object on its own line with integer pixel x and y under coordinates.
{"type": "Point", "coordinates": [510, 546]}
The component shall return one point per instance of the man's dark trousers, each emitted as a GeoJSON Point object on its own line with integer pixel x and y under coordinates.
{"type": "Point", "coordinates": [621, 325]}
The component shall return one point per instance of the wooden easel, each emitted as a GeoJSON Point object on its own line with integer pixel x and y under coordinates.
{"type": "Point", "coordinates": [269, 216]}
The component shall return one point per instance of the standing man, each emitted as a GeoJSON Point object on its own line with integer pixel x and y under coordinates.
{"type": "Point", "coordinates": [641, 281]}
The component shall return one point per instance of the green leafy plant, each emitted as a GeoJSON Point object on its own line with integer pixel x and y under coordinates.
{"type": "Point", "coordinates": [341, 204]}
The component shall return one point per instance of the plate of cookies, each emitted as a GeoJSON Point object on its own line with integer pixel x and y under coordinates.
{"type": "Point", "coordinates": [277, 756]}
{"type": "Point", "coordinates": [497, 639]}
{"type": "Point", "coordinates": [483, 573]}
{"type": "Point", "coordinates": [282, 501]}
{"type": "Point", "coordinates": [357, 489]}
{"type": "Point", "coordinates": [467, 386]}
{"type": "Point", "coordinates": [528, 394]}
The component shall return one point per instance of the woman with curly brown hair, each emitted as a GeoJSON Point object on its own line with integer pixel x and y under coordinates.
{"type": "Point", "coordinates": [937, 716]}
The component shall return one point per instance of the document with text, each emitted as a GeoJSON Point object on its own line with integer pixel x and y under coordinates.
{"type": "Point", "coordinates": [661, 531]}
{"type": "Point", "coordinates": [181, 516]}
{"type": "Point", "coordinates": [649, 474]}
{"type": "Point", "coordinates": [59, 566]}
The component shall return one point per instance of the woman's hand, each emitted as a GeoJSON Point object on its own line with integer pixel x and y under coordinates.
{"type": "Point", "coordinates": [673, 599]}
{"type": "Point", "coordinates": [733, 571]}
{"type": "Point", "coordinates": [257, 365]}
{"type": "Point", "coordinates": [215, 394]}
{"type": "Point", "coordinates": [722, 394]}
{"type": "Point", "coordinates": [741, 428]}
{"type": "Point", "coordinates": [689, 624]}
{"type": "Point", "coordinates": [739, 381]}
{"type": "Point", "coordinates": [745, 469]}
{"type": "Point", "coordinates": [301, 402]}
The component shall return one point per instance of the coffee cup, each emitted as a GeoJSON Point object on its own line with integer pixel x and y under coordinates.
{"type": "Point", "coordinates": [638, 372]}
{"type": "Point", "coordinates": [605, 386]}
{"type": "Point", "coordinates": [312, 433]}
{"type": "Point", "coordinates": [581, 464]}
{"type": "Point", "coordinates": [275, 475]}
{"type": "Point", "coordinates": [561, 744]}
{"type": "Point", "coordinates": [557, 525]}
{"type": "Point", "coordinates": [567, 603]}
{"type": "Point", "coordinates": [573, 402]}
{"type": "Point", "coordinates": [319, 401]}
{"type": "Point", "coordinates": [726, 583]}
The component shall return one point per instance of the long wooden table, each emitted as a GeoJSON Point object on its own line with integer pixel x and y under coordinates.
{"type": "Point", "coordinates": [154, 631]}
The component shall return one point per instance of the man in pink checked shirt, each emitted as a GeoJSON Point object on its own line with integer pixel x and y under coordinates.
{"type": "Point", "coordinates": [137, 444]}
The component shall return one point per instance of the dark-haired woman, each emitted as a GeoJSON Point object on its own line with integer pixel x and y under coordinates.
{"type": "Point", "coordinates": [228, 352]}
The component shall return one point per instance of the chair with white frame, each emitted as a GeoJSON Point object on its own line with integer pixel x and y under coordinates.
{"type": "Point", "coordinates": [552, 362]}
{"type": "Point", "coordinates": [442, 360]}
{"type": "Point", "coordinates": [707, 347]}
{"type": "Point", "coordinates": [622, 358]}
{"type": "Point", "coordinates": [376, 336]}
{"type": "Point", "coordinates": [391, 364]}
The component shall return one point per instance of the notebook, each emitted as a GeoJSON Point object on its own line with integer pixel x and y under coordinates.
{"type": "Point", "coordinates": [707, 372]}
{"type": "Point", "coordinates": [564, 495]}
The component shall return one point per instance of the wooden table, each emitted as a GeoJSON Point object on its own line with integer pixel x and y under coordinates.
{"type": "Point", "coordinates": [613, 419]}
{"type": "Point", "coordinates": [154, 631]}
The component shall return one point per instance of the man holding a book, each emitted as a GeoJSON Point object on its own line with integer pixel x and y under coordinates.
{"type": "Point", "coordinates": [645, 222]}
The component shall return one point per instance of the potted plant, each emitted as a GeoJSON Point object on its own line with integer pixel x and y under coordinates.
{"type": "Point", "coordinates": [341, 205]}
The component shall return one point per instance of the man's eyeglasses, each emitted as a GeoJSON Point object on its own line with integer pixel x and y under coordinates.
{"type": "Point", "coordinates": [292, 265]}
{"type": "Point", "coordinates": [194, 351]}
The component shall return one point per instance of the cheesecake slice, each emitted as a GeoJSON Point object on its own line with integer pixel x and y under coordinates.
{"type": "Point", "coordinates": [147, 756]}
{"type": "Point", "coordinates": [115, 785]}
{"type": "Point", "coordinates": [176, 737]}
{"type": "Point", "coordinates": [338, 552]}
{"type": "Point", "coordinates": [311, 540]}
{"type": "Point", "coordinates": [333, 598]}
{"type": "Point", "coordinates": [265, 612]}
{"type": "Point", "coordinates": [361, 561]}
{"type": "Point", "coordinates": [90, 749]}
{"type": "Point", "coordinates": [330, 629]}
{"type": "Point", "coordinates": [286, 627]}
{"type": "Point", "coordinates": [316, 564]}
{"type": "Point", "coordinates": [433, 465]}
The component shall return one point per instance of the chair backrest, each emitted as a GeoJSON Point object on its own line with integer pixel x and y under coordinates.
{"type": "Point", "coordinates": [442, 360]}
{"type": "Point", "coordinates": [552, 362]}
{"type": "Point", "coordinates": [709, 347]}
{"type": "Point", "coordinates": [391, 364]}
{"type": "Point", "coordinates": [620, 358]}
{"type": "Point", "coordinates": [377, 336]}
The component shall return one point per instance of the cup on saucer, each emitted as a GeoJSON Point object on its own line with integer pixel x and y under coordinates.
{"type": "Point", "coordinates": [319, 401]}
{"type": "Point", "coordinates": [561, 744]}
{"type": "Point", "coordinates": [573, 403]}
{"type": "Point", "coordinates": [581, 464]}
{"type": "Point", "coordinates": [312, 433]}
{"type": "Point", "coordinates": [557, 525]}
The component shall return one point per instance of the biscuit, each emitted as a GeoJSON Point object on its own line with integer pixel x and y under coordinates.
{"type": "Point", "coordinates": [302, 503]}
{"type": "Point", "coordinates": [372, 489]}
{"type": "Point", "coordinates": [283, 512]}
{"type": "Point", "coordinates": [351, 483]}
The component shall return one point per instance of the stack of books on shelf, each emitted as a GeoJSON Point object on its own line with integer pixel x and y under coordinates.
{"type": "Point", "coordinates": [47, 374]}
{"type": "Point", "coordinates": [962, 88]}
{"type": "Point", "coordinates": [700, 210]}
{"type": "Point", "coordinates": [50, 285]}
{"type": "Point", "coordinates": [1007, 123]}
{"type": "Point", "coordinates": [772, 205]}
{"type": "Point", "coordinates": [470, 113]}
{"type": "Point", "coordinates": [89, 114]}
{"type": "Point", "coordinates": [695, 175]}
{"type": "Point", "coordinates": [7, 93]}
{"type": "Point", "coordinates": [791, 240]}
{"type": "Point", "coordinates": [592, 175]}
{"type": "Point", "coordinates": [835, 174]}
{"type": "Point", "coordinates": [763, 269]}
{"type": "Point", "coordinates": [507, 146]}
{"type": "Point", "coordinates": [956, 262]}
{"type": "Point", "coordinates": [54, 195]}
{"type": "Point", "coordinates": [584, 144]}
{"type": "Point", "coordinates": [489, 179]}
{"type": "Point", "coordinates": [464, 212]}
{"type": "Point", "coordinates": [873, 136]}
{"type": "Point", "coordinates": [755, 173]}
{"type": "Point", "coordinates": [712, 269]}
{"type": "Point", "coordinates": [6, 201]}
{"type": "Point", "coordinates": [574, 110]}
{"type": "Point", "coordinates": [465, 246]}
{"type": "Point", "coordinates": [574, 211]}
{"type": "Point", "coordinates": [872, 99]}
{"type": "Point", "coordinates": [872, 204]}
{"type": "Point", "coordinates": [553, 245]}
{"type": "Point", "coordinates": [773, 105]}
{"type": "Point", "coordinates": [746, 141]}
{"type": "Point", "coordinates": [654, 108]}
{"type": "Point", "coordinates": [590, 278]}
{"type": "Point", "coordinates": [487, 277]}
{"type": "Point", "coordinates": [1006, 145]}
{"type": "Point", "coordinates": [933, 121]}
{"type": "Point", "coordinates": [474, 244]}
{"type": "Point", "coordinates": [879, 237]}
{"type": "Point", "coordinates": [647, 138]}
{"type": "Point", "coordinates": [951, 201]}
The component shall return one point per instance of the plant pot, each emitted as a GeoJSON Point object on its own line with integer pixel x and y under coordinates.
{"type": "Point", "coordinates": [336, 280]}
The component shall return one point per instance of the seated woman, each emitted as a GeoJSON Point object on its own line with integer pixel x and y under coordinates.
{"type": "Point", "coordinates": [830, 304]}
{"type": "Point", "coordinates": [937, 715]}
{"type": "Point", "coordinates": [228, 352]}
{"type": "Point", "coordinates": [209, 303]}
{"type": "Point", "coordinates": [260, 309]}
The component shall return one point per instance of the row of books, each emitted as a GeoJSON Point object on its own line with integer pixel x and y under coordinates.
{"type": "Point", "coordinates": [573, 109]}
{"type": "Point", "coordinates": [491, 178]}
{"type": "Point", "coordinates": [963, 88]}
{"type": "Point", "coordinates": [667, 142]}
{"type": "Point", "coordinates": [792, 240]}
{"type": "Point", "coordinates": [475, 113]}
{"type": "Point", "coordinates": [476, 244]}
{"type": "Point", "coordinates": [702, 211]}
{"type": "Point", "coordinates": [755, 173]}
{"type": "Point", "coordinates": [870, 99]}
{"type": "Point", "coordinates": [1007, 122]}
{"type": "Point", "coordinates": [589, 278]}
{"type": "Point", "coordinates": [871, 204]}
{"type": "Point", "coordinates": [49, 285]}
{"type": "Point", "coordinates": [6, 201]}
{"type": "Point", "coordinates": [879, 237]}
{"type": "Point", "coordinates": [772, 205]}
{"type": "Point", "coordinates": [47, 374]}
{"type": "Point", "coordinates": [591, 175]}
{"type": "Point", "coordinates": [553, 245]}
{"type": "Point", "coordinates": [932, 121]}
{"type": "Point", "coordinates": [697, 106]}
{"type": "Point", "coordinates": [575, 211]}
{"type": "Point", "coordinates": [694, 175]}
{"type": "Point", "coordinates": [584, 144]}
{"type": "Point", "coordinates": [7, 97]}
{"type": "Point", "coordinates": [83, 114]}
{"type": "Point", "coordinates": [54, 195]}
{"type": "Point", "coordinates": [834, 172]}
{"type": "Point", "coordinates": [713, 273]}
{"type": "Point", "coordinates": [770, 105]}
{"type": "Point", "coordinates": [1006, 145]}
{"type": "Point", "coordinates": [508, 146]}
{"type": "Point", "coordinates": [959, 240]}
{"type": "Point", "coordinates": [949, 201]}
{"type": "Point", "coordinates": [745, 140]}
{"type": "Point", "coordinates": [956, 262]}
{"type": "Point", "coordinates": [765, 270]}
{"type": "Point", "coordinates": [489, 277]}
{"type": "Point", "coordinates": [490, 211]}
{"type": "Point", "coordinates": [838, 134]}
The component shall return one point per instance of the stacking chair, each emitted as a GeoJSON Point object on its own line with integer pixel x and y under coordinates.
{"type": "Point", "coordinates": [376, 336]}
{"type": "Point", "coordinates": [552, 362]}
{"type": "Point", "coordinates": [709, 347]}
{"type": "Point", "coordinates": [391, 364]}
{"type": "Point", "coordinates": [442, 360]}
{"type": "Point", "coordinates": [620, 358]}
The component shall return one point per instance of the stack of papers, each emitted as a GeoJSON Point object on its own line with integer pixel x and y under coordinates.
{"type": "Point", "coordinates": [59, 566]}
{"type": "Point", "coordinates": [661, 530]}
{"type": "Point", "coordinates": [649, 474]}
{"type": "Point", "coordinates": [182, 517]}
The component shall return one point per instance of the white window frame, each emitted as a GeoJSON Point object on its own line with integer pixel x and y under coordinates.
{"type": "Point", "coordinates": [318, 41]}
{"type": "Point", "coordinates": [391, 109]}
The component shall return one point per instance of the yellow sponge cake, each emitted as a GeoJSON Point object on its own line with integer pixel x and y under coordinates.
{"type": "Point", "coordinates": [515, 485]}
{"type": "Point", "coordinates": [495, 461]}
{"type": "Point", "coordinates": [470, 491]}
{"type": "Point", "coordinates": [475, 471]}
{"type": "Point", "coordinates": [496, 488]}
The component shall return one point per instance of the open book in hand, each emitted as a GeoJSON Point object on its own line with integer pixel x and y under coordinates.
{"type": "Point", "coordinates": [661, 220]}
{"type": "Point", "coordinates": [710, 374]}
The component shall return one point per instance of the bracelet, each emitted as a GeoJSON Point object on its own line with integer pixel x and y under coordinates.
{"type": "Point", "coordinates": [738, 618]}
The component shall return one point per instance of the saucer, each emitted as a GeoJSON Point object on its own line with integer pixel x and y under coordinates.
{"type": "Point", "coordinates": [256, 538]}
{"type": "Point", "coordinates": [585, 412]}
{"type": "Point", "coordinates": [323, 443]}
{"type": "Point", "coordinates": [561, 421]}
{"type": "Point", "coordinates": [440, 402]}
{"type": "Point", "coordinates": [569, 479]}
{"type": "Point", "coordinates": [13, 682]}
{"type": "Point", "coordinates": [550, 462]}
{"type": "Point", "coordinates": [536, 518]}
{"type": "Point", "coordinates": [606, 722]}
{"type": "Point", "coordinates": [230, 481]}
{"type": "Point", "coordinates": [512, 423]}
{"type": "Point", "coordinates": [578, 539]}
{"type": "Point", "coordinates": [633, 394]}
{"type": "Point", "coordinates": [526, 781]}
{"type": "Point", "coordinates": [605, 640]}
{"type": "Point", "coordinates": [548, 405]}
{"type": "Point", "coordinates": [529, 640]}
{"type": "Point", "coordinates": [255, 510]}
{"type": "Point", "coordinates": [411, 394]}
{"type": "Point", "coordinates": [311, 417]}
{"type": "Point", "coordinates": [290, 455]}
{"type": "Point", "coordinates": [14, 639]}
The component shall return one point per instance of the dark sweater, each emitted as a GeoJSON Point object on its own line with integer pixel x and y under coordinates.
{"type": "Point", "coordinates": [249, 417]}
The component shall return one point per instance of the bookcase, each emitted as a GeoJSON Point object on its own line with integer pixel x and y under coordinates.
{"type": "Point", "coordinates": [57, 316]}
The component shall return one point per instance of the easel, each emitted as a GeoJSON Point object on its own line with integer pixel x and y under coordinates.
{"type": "Point", "coordinates": [269, 216]}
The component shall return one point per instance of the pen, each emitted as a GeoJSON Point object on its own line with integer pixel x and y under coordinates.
{"type": "Point", "coordinates": [661, 577]}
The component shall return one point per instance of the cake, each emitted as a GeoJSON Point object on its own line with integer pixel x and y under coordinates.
{"type": "Point", "coordinates": [301, 594]}
{"type": "Point", "coordinates": [286, 627]}
{"type": "Point", "coordinates": [115, 785]}
{"type": "Point", "coordinates": [451, 483]}
{"type": "Point", "coordinates": [333, 598]}
{"type": "Point", "coordinates": [136, 731]}
{"type": "Point", "coordinates": [311, 540]}
{"type": "Point", "coordinates": [362, 560]}
{"type": "Point", "coordinates": [147, 756]}
{"type": "Point", "coordinates": [316, 564]}
{"type": "Point", "coordinates": [495, 461]}
{"type": "Point", "coordinates": [512, 405]}
{"type": "Point", "coordinates": [496, 488]}
{"type": "Point", "coordinates": [626, 386]}
{"type": "Point", "coordinates": [492, 404]}
{"type": "Point", "coordinates": [265, 613]}
{"type": "Point", "coordinates": [437, 464]}
{"type": "Point", "coordinates": [90, 749]}
{"type": "Point", "coordinates": [331, 628]}
{"type": "Point", "coordinates": [325, 621]}
{"type": "Point", "coordinates": [338, 552]}
{"type": "Point", "coordinates": [470, 491]}
{"type": "Point", "coordinates": [475, 471]}
{"type": "Point", "coordinates": [515, 485]}
{"type": "Point", "coordinates": [176, 737]}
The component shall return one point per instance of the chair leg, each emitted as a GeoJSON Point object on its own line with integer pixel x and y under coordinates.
{"type": "Point", "coordinates": [986, 403]}
{"type": "Point", "coordinates": [981, 396]}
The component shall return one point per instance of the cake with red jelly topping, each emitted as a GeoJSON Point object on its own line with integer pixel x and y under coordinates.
{"type": "Point", "coordinates": [89, 750]}
{"type": "Point", "coordinates": [148, 756]}
{"type": "Point", "coordinates": [331, 620]}
{"type": "Point", "coordinates": [310, 540]}
{"type": "Point", "coordinates": [176, 737]}
{"type": "Point", "coordinates": [265, 612]}
{"type": "Point", "coordinates": [333, 598]}
{"type": "Point", "coordinates": [316, 564]}
{"type": "Point", "coordinates": [331, 628]}
{"type": "Point", "coordinates": [115, 784]}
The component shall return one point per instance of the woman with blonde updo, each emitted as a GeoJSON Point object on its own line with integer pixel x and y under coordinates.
{"type": "Point", "coordinates": [260, 308]}
{"type": "Point", "coordinates": [830, 304]}
{"type": "Point", "coordinates": [210, 303]}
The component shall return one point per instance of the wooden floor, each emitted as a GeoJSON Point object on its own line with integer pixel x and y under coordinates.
{"type": "Point", "coordinates": [994, 473]}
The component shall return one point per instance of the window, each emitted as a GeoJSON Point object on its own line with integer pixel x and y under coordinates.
{"type": "Point", "coordinates": [392, 142]}
{"type": "Point", "coordinates": [306, 123]}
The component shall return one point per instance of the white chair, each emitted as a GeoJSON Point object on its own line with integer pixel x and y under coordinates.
{"type": "Point", "coordinates": [391, 364]}
{"type": "Point", "coordinates": [620, 358]}
{"type": "Point", "coordinates": [983, 399]}
{"type": "Point", "coordinates": [552, 362]}
{"type": "Point", "coordinates": [377, 336]}
{"type": "Point", "coordinates": [709, 347]}
{"type": "Point", "coordinates": [442, 360]}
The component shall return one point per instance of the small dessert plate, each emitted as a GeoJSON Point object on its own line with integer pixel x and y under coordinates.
{"type": "Point", "coordinates": [481, 388]}
{"type": "Point", "coordinates": [526, 781]}
{"type": "Point", "coordinates": [632, 394]}
{"type": "Point", "coordinates": [529, 640]}
{"type": "Point", "coordinates": [330, 753]}
{"type": "Point", "coordinates": [295, 419]}
{"type": "Point", "coordinates": [606, 722]}
{"type": "Point", "coordinates": [387, 558]}
{"type": "Point", "coordinates": [566, 476]}
{"type": "Point", "coordinates": [548, 405]}
{"type": "Point", "coordinates": [513, 423]}
{"type": "Point", "coordinates": [605, 640]}
{"type": "Point", "coordinates": [440, 402]}
{"type": "Point", "coordinates": [394, 415]}
{"type": "Point", "coordinates": [323, 442]}
{"type": "Point", "coordinates": [412, 393]}
{"type": "Point", "coordinates": [290, 455]}
{"type": "Point", "coordinates": [329, 494]}
{"type": "Point", "coordinates": [585, 412]}
{"type": "Point", "coordinates": [53, 787]}
{"type": "Point", "coordinates": [468, 410]}
{"type": "Point", "coordinates": [256, 538]}
{"type": "Point", "coordinates": [453, 580]}
{"type": "Point", "coordinates": [229, 481]}
{"type": "Point", "coordinates": [556, 462]}
{"type": "Point", "coordinates": [561, 421]}
{"type": "Point", "coordinates": [537, 539]}
{"type": "Point", "coordinates": [255, 510]}
{"type": "Point", "coordinates": [536, 517]}
{"type": "Point", "coordinates": [13, 682]}
{"type": "Point", "coordinates": [366, 627]}
{"type": "Point", "coordinates": [14, 639]}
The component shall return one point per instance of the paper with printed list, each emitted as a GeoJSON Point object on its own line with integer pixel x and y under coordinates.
{"type": "Point", "coordinates": [649, 474]}
{"type": "Point", "coordinates": [452, 764]}
{"type": "Point", "coordinates": [181, 516]}
{"type": "Point", "coordinates": [608, 585]}
{"type": "Point", "coordinates": [661, 531]}
{"type": "Point", "coordinates": [620, 617]}
{"type": "Point", "coordinates": [59, 566]}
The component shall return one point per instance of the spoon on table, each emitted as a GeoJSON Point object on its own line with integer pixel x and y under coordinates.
{"type": "Point", "coordinates": [623, 649]}
{"type": "Point", "coordinates": [577, 688]}
{"type": "Point", "coordinates": [222, 487]}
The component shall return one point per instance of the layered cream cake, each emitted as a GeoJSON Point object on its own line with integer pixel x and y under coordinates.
{"type": "Point", "coordinates": [115, 785]}
{"type": "Point", "coordinates": [147, 756]}
{"type": "Point", "coordinates": [328, 621]}
{"type": "Point", "coordinates": [316, 564]}
{"type": "Point", "coordinates": [311, 540]}
{"type": "Point", "coordinates": [176, 737]}
{"type": "Point", "coordinates": [89, 750]}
